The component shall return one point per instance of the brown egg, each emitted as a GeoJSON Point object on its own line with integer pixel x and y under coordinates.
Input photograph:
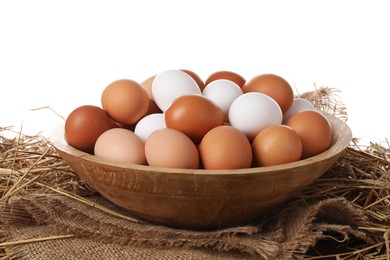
{"type": "Point", "coordinates": [147, 85]}
{"type": "Point", "coordinates": [128, 127]}
{"type": "Point", "coordinates": [171, 149]}
{"type": "Point", "coordinates": [225, 147]}
{"type": "Point", "coordinates": [274, 86]}
{"type": "Point", "coordinates": [314, 130]}
{"type": "Point", "coordinates": [125, 100]}
{"type": "Point", "coordinates": [196, 77]}
{"type": "Point", "coordinates": [120, 145]}
{"type": "Point", "coordinates": [277, 144]}
{"type": "Point", "coordinates": [194, 115]}
{"type": "Point", "coordinates": [84, 125]}
{"type": "Point", "coordinates": [229, 75]}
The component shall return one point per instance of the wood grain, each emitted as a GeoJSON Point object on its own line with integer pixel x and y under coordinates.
{"type": "Point", "coordinates": [200, 199]}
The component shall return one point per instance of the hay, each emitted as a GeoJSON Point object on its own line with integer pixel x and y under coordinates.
{"type": "Point", "coordinates": [31, 162]}
{"type": "Point", "coordinates": [364, 179]}
{"type": "Point", "coordinates": [327, 99]}
{"type": "Point", "coordinates": [362, 175]}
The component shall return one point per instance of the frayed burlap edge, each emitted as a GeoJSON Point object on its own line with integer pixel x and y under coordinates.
{"type": "Point", "coordinates": [282, 234]}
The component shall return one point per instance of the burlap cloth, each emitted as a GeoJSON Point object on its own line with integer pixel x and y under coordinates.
{"type": "Point", "coordinates": [284, 233]}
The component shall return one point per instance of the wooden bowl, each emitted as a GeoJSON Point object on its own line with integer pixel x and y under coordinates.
{"type": "Point", "coordinates": [200, 199]}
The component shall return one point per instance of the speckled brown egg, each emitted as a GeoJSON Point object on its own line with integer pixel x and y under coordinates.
{"type": "Point", "coordinates": [277, 144]}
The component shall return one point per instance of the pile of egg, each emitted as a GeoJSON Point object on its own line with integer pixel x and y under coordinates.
{"type": "Point", "coordinates": [176, 120]}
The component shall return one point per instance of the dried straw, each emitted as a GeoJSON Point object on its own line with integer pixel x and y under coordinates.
{"type": "Point", "coordinates": [362, 175]}
{"type": "Point", "coordinates": [328, 100]}
{"type": "Point", "coordinates": [27, 162]}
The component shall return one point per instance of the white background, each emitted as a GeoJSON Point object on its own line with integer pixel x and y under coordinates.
{"type": "Point", "coordinates": [62, 54]}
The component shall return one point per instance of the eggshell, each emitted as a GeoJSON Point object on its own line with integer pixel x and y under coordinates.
{"type": "Point", "coordinates": [274, 86]}
{"type": "Point", "coordinates": [223, 92]}
{"type": "Point", "coordinates": [125, 100]}
{"type": "Point", "coordinates": [225, 74]}
{"type": "Point", "coordinates": [251, 112]}
{"type": "Point", "coordinates": [171, 84]}
{"type": "Point", "coordinates": [196, 77]}
{"type": "Point", "coordinates": [299, 104]}
{"type": "Point", "coordinates": [84, 125]}
{"type": "Point", "coordinates": [149, 124]}
{"type": "Point", "coordinates": [147, 85]}
{"type": "Point", "coordinates": [314, 130]}
{"type": "Point", "coordinates": [194, 115]}
{"type": "Point", "coordinates": [120, 145]}
{"type": "Point", "coordinates": [225, 147]}
{"type": "Point", "coordinates": [277, 144]}
{"type": "Point", "coordinates": [171, 149]}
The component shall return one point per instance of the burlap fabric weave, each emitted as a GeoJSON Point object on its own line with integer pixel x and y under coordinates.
{"type": "Point", "coordinates": [282, 234]}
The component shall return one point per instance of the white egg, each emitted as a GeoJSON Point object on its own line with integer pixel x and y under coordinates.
{"type": "Point", "coordinates": [299, 104]}
{"type": "Point", "coordinates": [149, 124]}
{"type": "Point", "coordinates": [171, 84]}
{"type": "Point", "coordinates": [253, 111]}
{"type": "Point", "coordinates": [223, 92]}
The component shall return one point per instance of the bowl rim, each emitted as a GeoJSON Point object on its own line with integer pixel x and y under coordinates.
{"type": "Point", "coordinates": [339, 143]}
